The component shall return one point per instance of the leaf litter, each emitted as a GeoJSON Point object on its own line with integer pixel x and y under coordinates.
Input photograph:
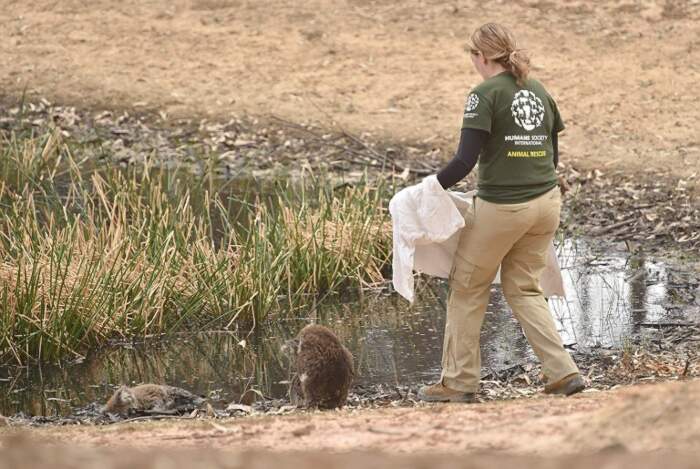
{"type": "Point", "coordinates": [652, 212]}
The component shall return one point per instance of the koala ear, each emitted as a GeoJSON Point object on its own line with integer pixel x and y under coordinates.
{"type": "Point", "coordinates": [291, 346]}
{"type": "Point", "coordinates": [124, 394]}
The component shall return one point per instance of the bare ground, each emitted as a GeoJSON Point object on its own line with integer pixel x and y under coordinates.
{"type": "Point", "coordinates": [24, 453]}
{"type": "Point", "coordinates": [625, 72]}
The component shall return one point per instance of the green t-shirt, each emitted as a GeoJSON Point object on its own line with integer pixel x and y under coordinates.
{"type": "Point", "coordinates": [517, 161]}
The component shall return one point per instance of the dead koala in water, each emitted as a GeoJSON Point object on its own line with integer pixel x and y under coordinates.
{"type": "Point", "coordinates": [321, 368]}
{"type": "Point", "coordinates": [152, 399]}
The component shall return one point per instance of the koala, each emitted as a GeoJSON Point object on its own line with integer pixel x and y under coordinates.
{"type": "Point", "coordinates": [152, 398]}
{"type": "Point", "coordinates": [321, 368]}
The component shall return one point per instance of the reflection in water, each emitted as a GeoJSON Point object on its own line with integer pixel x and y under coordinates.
{"type": "Point", "coordinates": [609, 297]}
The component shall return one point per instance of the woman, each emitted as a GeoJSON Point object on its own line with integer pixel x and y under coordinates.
{"type": "Point", "coordinates": [510, 125]}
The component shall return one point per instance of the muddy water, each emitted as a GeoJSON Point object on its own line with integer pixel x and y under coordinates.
{"type": "Point", "coordinates": [612, 298]}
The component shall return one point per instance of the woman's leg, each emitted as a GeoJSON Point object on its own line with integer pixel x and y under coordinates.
{"type": "Point", "coordinates": [470, 288]}
{"type": "Point", "coordinates": [485, 240]}
{"type": "Point", "coordinates": [520, 277]}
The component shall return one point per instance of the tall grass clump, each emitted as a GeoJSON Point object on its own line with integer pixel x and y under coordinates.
{"type": "Point", "coordinates": [90, 253]}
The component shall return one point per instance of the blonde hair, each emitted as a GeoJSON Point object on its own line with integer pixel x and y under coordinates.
{"type": "Point", "coordinates": [497, 43]}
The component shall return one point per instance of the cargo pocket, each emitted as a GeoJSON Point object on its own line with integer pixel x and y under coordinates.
{"type": "Point", "coordinates": [460, 276]}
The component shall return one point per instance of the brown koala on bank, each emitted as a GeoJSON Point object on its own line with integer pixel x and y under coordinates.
{"type": "Point", "coordinates": [321, 366]}
{"type": "Point", "coordinates": [154, 398]}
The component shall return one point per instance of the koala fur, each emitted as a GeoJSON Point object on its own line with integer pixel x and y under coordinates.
{"type": "Point", "coordinates": [322, 368]}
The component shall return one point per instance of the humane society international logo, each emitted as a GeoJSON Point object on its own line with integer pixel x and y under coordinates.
{"type": "Point", "coordinates": [527, 110]}
{"type": "Point", "coordinates": [472, 102]}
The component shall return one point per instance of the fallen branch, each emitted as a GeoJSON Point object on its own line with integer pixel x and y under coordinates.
{"type": "Point", "coordinates": [155, 417]}
{"type": "Point", "coordinates": [659, 325]}
{"type": "Point", "coordinates": [614, 226]}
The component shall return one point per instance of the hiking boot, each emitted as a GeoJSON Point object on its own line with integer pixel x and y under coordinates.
{"type": "Point", "coordinates": [567, 386]}
{"type": "Point", "coordinates": [439, 393]}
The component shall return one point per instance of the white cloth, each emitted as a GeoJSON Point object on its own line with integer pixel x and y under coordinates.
{"type": "Point", "coordinates": [427, 222]}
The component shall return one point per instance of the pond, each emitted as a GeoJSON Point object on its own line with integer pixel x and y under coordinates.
{"type": "Point", "coordinates": [612, 297]}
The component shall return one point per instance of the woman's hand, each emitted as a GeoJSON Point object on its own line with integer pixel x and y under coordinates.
{"type": "Point", "coordinates": [563, 185]}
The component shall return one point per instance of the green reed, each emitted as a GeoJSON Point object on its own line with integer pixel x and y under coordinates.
{"type": "Point", "coordinates": [90, 253]}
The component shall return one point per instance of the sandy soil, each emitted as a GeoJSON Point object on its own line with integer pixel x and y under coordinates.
{"type": "Point", "coordinates": [27, 454]}
{"type": "Point", "coordinates": [638, 418]}
{"type": "Point", "coordinates": [625, 72]}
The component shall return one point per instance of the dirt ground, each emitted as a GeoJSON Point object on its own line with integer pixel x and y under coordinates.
{"type": "Point", "coordinates": [625, 72]}
{"type": "Point", "coordinates": [641, 418]}
{"type": "Point", "coordinates": [26, 454]}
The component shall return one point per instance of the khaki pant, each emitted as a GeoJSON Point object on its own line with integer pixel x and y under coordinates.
{"type": "Point", "coordinates": [515, 237]}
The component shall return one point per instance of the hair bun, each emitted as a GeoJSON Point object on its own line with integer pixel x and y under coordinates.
{"type": "Point", "coordinates": [498, 44]}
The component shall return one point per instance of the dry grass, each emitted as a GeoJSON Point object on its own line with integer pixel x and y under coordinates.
{"type": "Point", "coordinates": [91, 253]}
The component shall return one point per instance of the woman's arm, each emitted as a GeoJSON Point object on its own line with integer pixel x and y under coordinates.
{"type": "Point", "coordinates": [563, 184]}
{"type": "Point", "coordinates": [471, 141]}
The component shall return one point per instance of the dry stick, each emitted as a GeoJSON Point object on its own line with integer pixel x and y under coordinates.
{"type": "Point", "coordinates": [614, 226]}
{"type": "Point", "coordinates": [364, 145]}
{"type": "Point", "coordinates": [318, 137]}
{"type": "Point", "coordinates": [348, 134]}
{"type": "Point", "coordinates": [361, 155]}
{"type": "Point", "coordinates": [382, 431]}
{"type": "Point", "coordinates": [396, 377]}
{"type": "Point", "coordinates": [659, 325]}
{"type": "Point", "coordinates": [686, 367]}
{"type": "Point", "coordinates": [155, 417]}
{"type": "Point", "coordinates": [196, 436]}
